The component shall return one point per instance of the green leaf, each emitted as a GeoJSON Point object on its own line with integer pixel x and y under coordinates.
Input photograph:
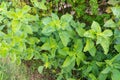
{"type": "Point", "coordinates": [11, 14]}
{"type": "Point", "coordinates": [92, 51]}
{"type": "Point", "coordinates": [64, 51]}
{"type": "Point", "coordinates": [66, 18]}
{"type": "Point", "coordinates": [47, 30]}
{"type": "Point", "coordinates": [64, 36]}
{"type": "Point", "coordinates": [116, 33]}
{"type": "Point", "coordinates": [53, 43]}
{"type": "Point", "coordinates": [106, 70]}
{"type": "Point", "coordinates": [94, 6]}
{"type": "Point", "coordinates": [117, 47]}
{"type": "Point", "coordinates": [1, 27]}
{"type": "Point", "coordinates": [90, 34]}
{"type": "Point", "coordinates": [78, 46]}
{"type": "Point", "coordinates": [92, 76]}
{"type": "Point", "coordinates": [40, 5]}
{"type": "Point", "coordinates": [80, 31]}
{"type": "Point", "coordinates": [46, 20]}
{"type": "Point", "coordinates": [116, 11]}
{"type": "Point", "coordinates": [80, 57]}
{"type": "Point", "coordinates": [54, 16]}
{"type": "Point", "coordinates": [90, 47]}
{"type": "Point", "coordinates": [28, 29]}
{"type": "Point", "coordinates": [25, 9]}
{"type": "Point", "coordinates": [110, 23]}
{"type": "Point", "coordinates": [16, 25]}
{"type": "Point", "coordinates": [40, 69]}
{"type": "Point", "coordinates": [102, 76]}
{"type": "Point", "coordinates": [46, 46]}
{"type": "Point", "coordinates": [105, 45]}
{"type": "Point", "coordinates": [107, 33]}
{"type": "Point", "coordinates": [69, 60]}
{"type": "Point", "coordinates": [116, 58]}
{"type": "Point", "coordinates": [2, 34]}
{"type": "Point", "coordinates": [99, 39]}
{"type": "Point", "coordinates": [115, 74]}
{"type": "Point", "coordinates": [71, 79]}
{"type": "Point", "coordinates": [96, 27]}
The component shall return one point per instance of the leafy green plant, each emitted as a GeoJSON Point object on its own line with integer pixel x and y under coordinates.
{"type": "Point", "coordinates": [72, 50]}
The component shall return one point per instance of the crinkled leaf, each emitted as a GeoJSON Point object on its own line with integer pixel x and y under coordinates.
{"type": "Point", "coordinates": [64, 36]}
{"type": "Point", "coordinates": [116, 11]}
{"type": "Point", "coordinates": [78, 46]}
{"type": "Point", "coordinates": [110, 23]}
{"type": "Point", "coordinates": [90, 34]}
{"type": "Point", "coordinates": [80, 31]}
{"type": "Point", "coordinates": [107, 33]}
{"type": "Point", "coordinates": [47, 30]}
{"type": "Point", "coordinates": [46, 20]}
{"type": "Point", "coordinates": [90, 47]}
{"type": "Point", "coordinates": [105, 45]}
{"type": "Point", "coordinates": [54, 16]}
{"type": "Point", "coordinates": [66, 18]}
{"type": "Point", "coordinates": [99, 39]}
{"type": "Point", "coordinates": [96, 27]}
{"type": "Point", "coordinates": [40, 5]}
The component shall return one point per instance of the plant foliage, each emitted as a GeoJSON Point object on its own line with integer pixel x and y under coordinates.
{"type": "Point", "coordinates": [70, 47]}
